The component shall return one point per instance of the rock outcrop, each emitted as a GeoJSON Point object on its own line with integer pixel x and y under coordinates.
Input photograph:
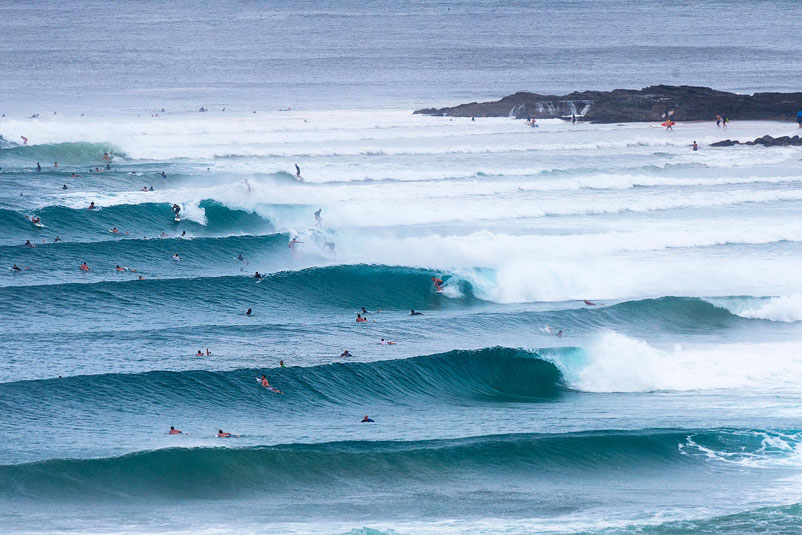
{"type": "Point", "coordinates": [629, 105]}
{"type": "Point", "coordinates": [766, 141]}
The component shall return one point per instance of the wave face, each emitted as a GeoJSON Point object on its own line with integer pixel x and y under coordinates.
{"type": "Point", "coordinates": [615, 348]}
{"type": "Point", "coordinates": [209, 473]}
{"type": "Point", "coordinates": [489, 375]}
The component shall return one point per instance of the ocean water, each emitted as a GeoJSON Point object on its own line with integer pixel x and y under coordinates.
{"type": "Point", "coordinates": [669, 405]}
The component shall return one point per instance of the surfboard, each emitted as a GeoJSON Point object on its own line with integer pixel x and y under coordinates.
{"type": "Point", "coordinates": [177, 218]}
{"type": "Point", "coordinates": [668, 123]}
{"type": "Point", "coordinates": [271, 387]}
{"type": "Point", "coordinates": [38, 225]}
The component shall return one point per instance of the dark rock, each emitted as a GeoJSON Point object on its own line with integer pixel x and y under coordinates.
{"type": "Point", "coordinates": [629, 105]}
{"type": "Point", "coordinates": [725, 143]}
{"type": "Point", "coordinates": [766, 141]}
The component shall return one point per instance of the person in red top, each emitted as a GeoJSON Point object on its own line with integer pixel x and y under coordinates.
{"type": "Point", "coordinates": [84, 267]}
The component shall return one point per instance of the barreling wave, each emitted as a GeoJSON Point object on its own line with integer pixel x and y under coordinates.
{"type": "Point", "coordinates": [487, 375]}
{"type": "Point", "coordinates": [147, 219]}
{"type": "Point", "coordinates": [79, 153]}
{"type": "Point", "coordinates": [216, 472]}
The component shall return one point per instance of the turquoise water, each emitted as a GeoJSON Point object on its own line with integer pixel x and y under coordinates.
{"type": "Point", "coordinates": [669, 404]}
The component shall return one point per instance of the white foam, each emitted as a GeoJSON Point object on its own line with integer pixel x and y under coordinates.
{"type": "Point", "coordinates": [787, 308]}
{"type": "Point", "coordinates": [614, 362]}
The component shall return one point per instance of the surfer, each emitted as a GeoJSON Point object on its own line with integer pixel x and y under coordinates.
{"type": "Point", "coordinates": [281, 364]}
{"type": "Point", "coordinates": [318, 219]}
{"type": "Point", "coordinates": [84, 267]}
{"type": "Point", "coordinates": [360, 319]}
{"type": "Point", "coordinates": [38, 166]}
{"type": "Point", "coordinates": [199, 353]}
{"type": "Point", "coordinates": [91, 205]}
{"type": "Point", "coordinates": [57, 239]}
{"type": "Point", "coordinates": [221, 434]}
{"type": "Point", "coordinates": [114, 230]}
{"type": "Point", "coordinates": [25, 142]}
{"type": "Point", "coordinates": [437, 284]}
{"type": "Point", "coordinates": [718, 121]}
{"type": "Point", "coordinates": [292, 243]}
{"type": "Point", "coordinates": [346, 353]}
{"type": "Point", "coordinates": [266, 384]}
{"type": "Point", "coordinates": [55, 164]}
{"type": "Point", "coordinates": [176, 209]}
{"type": "Point", "coordinates": [174, 431]}
{"type": "Point", "coordinates": [298, 172]}
{"type": "Point", "coordinates": [589, 303]}
{"type": "Point", "coordinates": [29, 244]}
{"type": "Point", "coordinates": [413, 313]}
{"type": "Point", "coordinates": [386, 342]}
{"type": "Point", "coordinates": [36, 220]}
{"type": "Point", "coordinates": [15, 267]}
{"type": "Point", "coordinates": [248, 312]}
{"type": "Point", "coordinates": [120, 268]}
{"type": "Point", "coordinates": [257, 276]}
{"type": "Point", "coordinates": [695, 145]}
{"type": "Point", "coordinates": [573, 118]}
{"type": "Point", "coordinates": [367, 419]}
{"type": "Point", "coordinates": [208, 353]}
{"type": "Point", "coordinates": [176, 257]}
{"type": "Point", "coordinates": [329, 245]}
{"type": "Point", "coordinates": [164, 175]}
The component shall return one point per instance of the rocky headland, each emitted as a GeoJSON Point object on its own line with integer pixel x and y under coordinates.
{"type": "Point", "coordinates": [630, 105]}
{"type": "Point", "coordinates": [766, 141]}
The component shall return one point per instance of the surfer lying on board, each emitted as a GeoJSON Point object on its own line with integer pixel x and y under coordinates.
{"type": "Point", "coordinates": [367, 419]}
{"type": "Point", "coordinates": [174, 431]}
{"type": "Point", "coordinates": [221, 434]}
{"type": "Point", "coordinates": [413, 313]}
{"type": "Point", "coordinates": [346, 353]}
{"type": "Point", "coordinates": [386, 342]}
{"type": "Point", "coordinates": [360, 319]}
{"type": "Point", "coordinates": [266, 384]}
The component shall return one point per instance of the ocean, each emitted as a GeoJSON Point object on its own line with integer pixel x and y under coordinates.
{"type": "Point", "coordinates": [617, 346]}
